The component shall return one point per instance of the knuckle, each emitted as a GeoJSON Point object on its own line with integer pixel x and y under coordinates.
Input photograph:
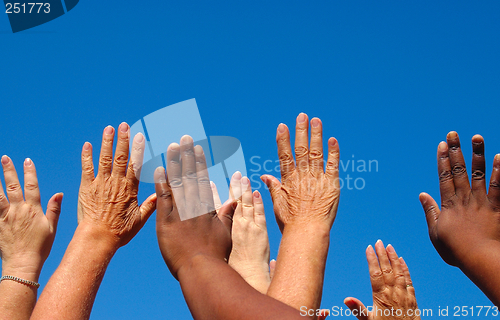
{"type": "Point", "coordinates": [301, 151]}
{"type": "Point", "coordinates": [106, 160]}
{"type": "Point", "coordinates": [447, 204]}
{"type": "Point", "coordinates": [445, 176]}
{"type": "Point", "coordinates": [459, 169]}
{"type": "Point", "coordinates": [188, 152]}
{"type": "Point", "coordinates": [332, 164]}
{"type": "Point", "coordinates": [478, 175]}
{"type": "Point", "coordinates": [315, 154]}
{"type": "Point", "coordinates": [165, 194]}
{"type": "Point", "coordinates": [175, 182]}
{"type": "Point", "coordinates": [204, 181]}
{"type": "Point", "coordinates": [190, 175]}
{"type": "Point", "coordinates": [386, 270]}
{"type": "Point", "coordinates": [13, 187]}
{"type": "Point", "coordinates": [285, 158]}
{"type": "Point", "coordinates": [30, 186]}
{"type": "Point", "coordinates": [376, 275]}
{"type": "Point", "coordinates": [121, 160]}
{"type": "Point", "coordinates": [495, 184]}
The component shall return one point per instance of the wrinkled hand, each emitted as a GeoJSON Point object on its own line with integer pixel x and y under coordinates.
{"type": "Point", "coordinates": [187, 224]}
{"type": "Point", "coordinates": [250, 253]}
{"type": "Point", "coordinates": [468, 223]}
{"type": "Point", "coordinates": [26, 234]}
{"type": "Point", "coordinates": [307, 193]}
{"type": "Point", "coordinates": [108, 202]}
{"type": "Point", "coordinates": [393, 292]}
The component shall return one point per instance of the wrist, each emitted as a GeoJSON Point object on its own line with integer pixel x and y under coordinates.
{"type": "Point", "coordinates": [25, 273]}
{"type": "Point", "coordinates": [97, 236]}
{"type": "Point", "coordinates": [311, 228]}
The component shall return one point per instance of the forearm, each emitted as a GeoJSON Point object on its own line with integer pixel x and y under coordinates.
{"type": "Point", "coordinates": [214, 290]}
{"type": "Point", "coordinates": [300, 266]}
{"type": "Point", "coordinates": [17, 300]}
{"type": "Point", "coordinates": [482, 269]}
{"type": "Point", "coordinates": [71, 291]}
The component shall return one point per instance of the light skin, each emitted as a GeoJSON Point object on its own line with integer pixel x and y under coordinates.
{"type": "Point", "coordinates": [393, 292]}
{"type": "Point", "coordinates": [196, 250]}
{"type": "Point", "coordinates": [26, 238]}
{"type": "Point", "coordinates": [466, 230]}
{"type": "Point", "coordinates": [250, 251]}
{"type": "Point", "coordinates": [109, 216]}
{"type": "Point", "coordinates": [305, 204]}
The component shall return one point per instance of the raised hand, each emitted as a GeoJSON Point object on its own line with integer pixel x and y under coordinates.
{"type": "Point", "coordinates": [187, 192]}
{"type": "Point", "coordinates": [307, 193]}
{"type": "Point", "coordinates": [393, 292]}
{"type": "Point", "coordinates": [26, 238]}
{"type": "Point", "coordinates": [466, 230]}
{"type": "Point", "coordinates": [250, 252]}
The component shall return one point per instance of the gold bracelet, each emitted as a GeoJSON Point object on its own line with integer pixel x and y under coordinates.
{"type": "Point", "coordinates": [26, 282]}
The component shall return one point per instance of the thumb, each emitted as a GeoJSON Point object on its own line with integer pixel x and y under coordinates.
{"type": "Point", "coordinates": [357, 308]}
{"type": "Point", "coordinates": [272, 268]}
{"type": "Point", "coordinates": [272, 183]}
{"type": "Point", "coordinates": [431, 209]}
{"type": "Point", "coordinates": [226, 212]}
{"type": "Point", "coordinates": [147, 208]}
{"type": "Point", "coordinates": [54, 210]}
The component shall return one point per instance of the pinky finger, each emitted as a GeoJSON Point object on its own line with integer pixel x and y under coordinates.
{"type": "Point", "coordinates": [406, 271]}
{"type": "Point", "coordinates": [259, 215]}
{"type": "Point", "coordinates": [494, 190]}
{"type": "Point", "coordinates": [354, 304]}
{"type": "Point", "coordinates": [332, 163]}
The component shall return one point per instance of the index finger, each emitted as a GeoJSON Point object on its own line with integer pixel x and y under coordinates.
{"type": "Point", "coordinates": [204, 188]}
{"type": "Point", "coordinates": [31, 190]}
{"type": "Point", "coordinates": [14, 191]}
{"type": "Point", "coordinates": [457, 162]}
{"type": "Point", "coordinates": [446, 184]}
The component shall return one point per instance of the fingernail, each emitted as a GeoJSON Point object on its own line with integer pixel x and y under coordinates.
{"type": "Point", "coordinates": [198, 150]}
{"type": "Point", "coordinates": [5, 159]}
{"type": "Point", "coordinates": [139, 138]}
{"type": "Point", "coordinates": [332, 142]}
{"type": "Point", "coordinates": [281, 128]}
{"type": "Point", "coordinates": [237, 175]}
{"type": "Point", "coordinates": [256, 194]}
{"type": "Point", "coordinates": [497, 157]}
{"type": "Point", "coordinates": [108, 130]}
{"type": "Point", "coordinates": [28, 162]}
{"type": "Point", "coordinates": [186, 140]}
{"type": "Point", "coordinates": [124, 127]}
{"type": "Point", "coordinates": [378, 241]}
{"type": "Point", "coordinates": [273, 260]}
{"type": "Point", "coordinates": [452, 135]}
{"type": "Point", "coordinates": [315, 123]}
{"type": "Point", "coordinates": [301, 118]}
{"type": "Point", "coordinates": [390, 249]}
{"type": "Point", "coordinates": [245, 181]}
{"type": "Point", "coordinates": [86, 146]}
{"type": "Point", "coordinates": [212, 184]}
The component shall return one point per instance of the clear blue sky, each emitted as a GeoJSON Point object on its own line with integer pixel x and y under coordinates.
{"type": "Point", "coordinates": [388, 79]}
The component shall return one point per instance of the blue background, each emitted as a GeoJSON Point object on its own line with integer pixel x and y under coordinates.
{"type": "Point", "coordinates": [389, 79]}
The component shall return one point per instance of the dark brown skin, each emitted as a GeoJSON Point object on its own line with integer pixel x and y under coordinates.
{"type": "Point", "coordinates": [466, 231]}
{"type": "Point", "coordinates": [196, 250]}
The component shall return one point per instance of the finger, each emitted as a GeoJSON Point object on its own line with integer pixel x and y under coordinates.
{"type": "Point", "coordinates": [302, 143]}
{"type": "Point", "coordinates": [235, 187]}
{"type": "Point", "coordinates": [357, 308]}
{"type": "Point", "coordinates": [316, 150]}
{"type": "Point", "coordinates": [259, 215]}
{"type": "Point", "coordinates": [4, 203]}
{"type": "Point", "coordinates": [446, 184]}
{"type": "Point", "coordinates": [457, 162]}
{"type": "Point", "coordinates": [478, 165]}
{"type": "Point", "coordinates": [147, 208]}
{"type": "Point", "coordinates": [14, 191]}
{"type": "Point", "coordinates": [399, 276]}
{"type": "Point", "coordinates": [494, 189]}
{"type": "Point", "coordinates": [87, 164]}
{"type": "Point", "coordinates": [136, 160]}
{"type": "Point", "coordinates": [385, 265]}
{"type": "Point", "coordinates": [431, 209]}
{"type": "Point", "coordinates": [174, 176]}
{"type": "Point", "coordinates": [332, 163]}
{"type": "Point", "coordinates": [217, 202]}
{"type": "Point", "coordinates": [247, 199]}
{"type": "Point", "coordinates": [376, 277]}
{"type": "Point", "coordinates": [272, 268]}
{"type": "Point", "coordinates": [285, 155]}
{"type": "Point", "coordinates": [226, 213]}
{"type": "Point", "coordinates": [164, 201]}
{"type": "Point", "coordinates": [54, 210]}
{"type": "Point", "coordinates": [106, 156]}
{"type": "Point", "coordinates": [31, 190]}
{"type": "Point", "coordinates": [323, 313]}
{"type": "Point", "coordinates": [204, 188]}
{"type": "Point", "coordinates": [408, 282]}
{"type": "Point", "coordinates": [121, 154]}
{"type": "Point", "coordinates": [189, 176]}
